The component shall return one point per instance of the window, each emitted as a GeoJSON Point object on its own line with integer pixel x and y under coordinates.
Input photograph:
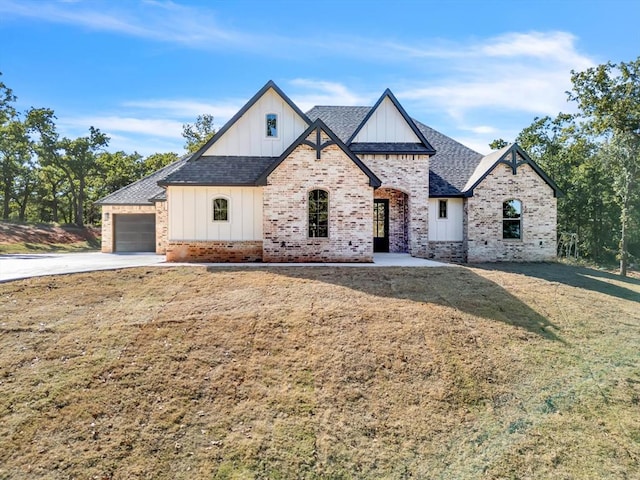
{"type": "Point", "coordinates": [318, 213]}
{"type": "Point", "coordinates": [442, 209]}
{"type": "Point", "coordinates": [512, 219]}
{"type": "Point", "coordinates": [272, 125]}
{"type": "Point", "coordinates": [220, 210]}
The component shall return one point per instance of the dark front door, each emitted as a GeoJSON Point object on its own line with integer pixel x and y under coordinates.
{"type": "Point", "coordinates": [380, 225]}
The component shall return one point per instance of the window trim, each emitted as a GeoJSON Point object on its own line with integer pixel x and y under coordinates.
{"type": "Point", "coordinates": [309, 192]}
{"type": "Point", "coordinates": [446, 209]}
{"type": "Point", "coordinates": [519, 219]}
{"type": "Point", "coordinates": [266, 126]}
{"type": "Point", "coordinates": [213, 208]}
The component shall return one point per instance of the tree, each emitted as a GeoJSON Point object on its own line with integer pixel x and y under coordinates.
{"type": "Point", "coordinates": [199, 133]}
{"type": "Point", "coordinates": [621, 154]}
{"type": "Point", "coordinates": [498, 143]}
{"type": "Point", "coordinates": [156, 161]}
{"type": "Point", "coordinates": [76, 158]}
{"type": "Point", "coordinates": [80, 162]}
{"type": "Point", "coordinates": [608, 97]}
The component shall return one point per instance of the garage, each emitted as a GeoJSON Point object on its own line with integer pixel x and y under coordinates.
{"type": "Point", "coordinates": [135, 232]}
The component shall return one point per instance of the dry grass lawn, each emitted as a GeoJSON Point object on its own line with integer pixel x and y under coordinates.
{"type": "Point", "coordinates": [514, 371]}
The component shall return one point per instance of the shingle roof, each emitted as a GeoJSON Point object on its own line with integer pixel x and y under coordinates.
{"type": "Point", "coordinates": [220, 170]}
{"type": "Point", "coordinates": [343, 121]}
{"type": "Point", "coordinates": [142, 191]}
{"type": "Point", "coordinates": [450, 167]}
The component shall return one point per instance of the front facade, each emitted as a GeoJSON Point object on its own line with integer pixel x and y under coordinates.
{"type": "Point", "coordinates": [335, 185]}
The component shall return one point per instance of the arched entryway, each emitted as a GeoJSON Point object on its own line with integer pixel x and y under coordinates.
{"type": "Point", "coordinates": [390, 221]}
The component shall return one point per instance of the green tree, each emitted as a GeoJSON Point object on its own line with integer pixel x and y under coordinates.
{"type": "Point", "coordinates": [75, 158]}
{"type": "Point", "coordinates": [80, 162]}
{"type": "Point", "coordinates": [198, 133]}
{"type": "Point", "coordinates": [156, 161]}
{"type": "Point", "coordinates": [608, 97]}
{"type": "Point", "coordinates": [498, 143]}
{"type": "Point", "coordinates": [117, 170]}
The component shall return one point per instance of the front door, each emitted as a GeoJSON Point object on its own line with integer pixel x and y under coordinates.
{"type": "Point", "coordinates": [380, 225]}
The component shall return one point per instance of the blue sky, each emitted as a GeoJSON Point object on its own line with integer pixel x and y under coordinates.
{"type": "Point", "coordinates": [138, 70]}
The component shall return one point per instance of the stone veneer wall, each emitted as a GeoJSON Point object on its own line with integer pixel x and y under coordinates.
{"type": "Point", "coordinates": [398, 219]}
{"type": "Point", "coordinates": [350, 208]}
{"type": "Point", "coordinates": [107, 243]}
{"type": "Point", "coordinates": [214, 251]}
{"type": "Point", "coordinates": [409, 174]}
{"type": "Point", "coordinates": [484, 222]}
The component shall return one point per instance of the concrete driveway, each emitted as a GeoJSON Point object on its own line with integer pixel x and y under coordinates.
{"type": "Point", "coordinates": [16, 266]}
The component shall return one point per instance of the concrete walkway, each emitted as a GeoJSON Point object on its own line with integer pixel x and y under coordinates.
{"type": "Point", "coordinates": [17, 266]}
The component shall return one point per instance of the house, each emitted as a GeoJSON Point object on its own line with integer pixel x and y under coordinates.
{"type": "Point", "coordinates": [335, 184]}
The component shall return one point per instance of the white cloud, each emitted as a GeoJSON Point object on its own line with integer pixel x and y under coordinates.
{"type": "Point", "coordinates": [157, 20]}
{"type": "Point", "coordinates": [513, 72]}
{"type": "Point", "coordinates": [147, 126]}
{"type": "Point", "coordinates": [318, 92]}
{"type": "Point", "coordinates": [481, 129]}
{"type": "Point", "coordinates": [188, 108]}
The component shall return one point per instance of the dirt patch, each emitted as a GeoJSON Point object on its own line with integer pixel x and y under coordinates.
{"type": "Point", "coordinates": [45, 233]}
{"type": "Point", "coordinates": [19, 238]}
{"type": "Point", "coordinates": [283, 372]}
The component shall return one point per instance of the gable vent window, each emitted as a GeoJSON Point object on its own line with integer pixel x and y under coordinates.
{"type": "Point", "coordinates": [220, 210]}
{"type": "Point", "coordinates": [442, 209]}
{"type": "Point", "coordinates": [512, 219]}
{"type": "Point", "coordinates": [272, 125]}
{"type": "Point", "coordinates": [318, 213]}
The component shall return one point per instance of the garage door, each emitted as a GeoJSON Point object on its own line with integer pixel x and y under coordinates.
{"type": "Point", "coordinates": [135, 233]}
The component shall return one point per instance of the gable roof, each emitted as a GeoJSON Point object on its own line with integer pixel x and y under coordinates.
{"type": "Point", "coordinates": [319, 126]}
{"type": "Point", "coordinates": [450, 167]}
{"type": "Point", "coordinates": [269, 85]}
{"type": "Point", "coordinates": [220, 171]}
{"type": "Point", "coordinates": [509, 156]}
{"type": "Point", "coordinates": [144, 191]}
{"type": "Point", "coordinates": [388, 94]}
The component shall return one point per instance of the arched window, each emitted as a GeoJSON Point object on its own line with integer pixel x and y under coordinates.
{"type": "Point", "coordinates": [512, 219]}
{"type": "Point", "coordinates": [318, 213]}
{"type": "Point", "coordinates": [220, 209]}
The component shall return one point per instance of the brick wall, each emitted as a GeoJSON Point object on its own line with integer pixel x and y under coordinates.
{"type": "Point", "coordinates": [445, 251]}
{"type": "Point", "coordinates": [214, 251]}
{"type": "Point", "coordinates": [108, 211]}
{"type": "Point", "coordinates": [408, 174]}
{"type": "Point", "coordinates": [286, 208]}
{"type": "Point", "coordinates": [484, 222]}
{"type": "Point", "coordinates": [162, 227]}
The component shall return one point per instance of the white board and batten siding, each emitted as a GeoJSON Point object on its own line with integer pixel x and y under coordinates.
{"type": "Point", "coordinates": [248, 135]}
{"type": "Point", "coordinates": [191, 214]}
{"type": "Point", "coordinates": [446, 229]}
{"type": "Point", "coordinates": [386, 124]}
